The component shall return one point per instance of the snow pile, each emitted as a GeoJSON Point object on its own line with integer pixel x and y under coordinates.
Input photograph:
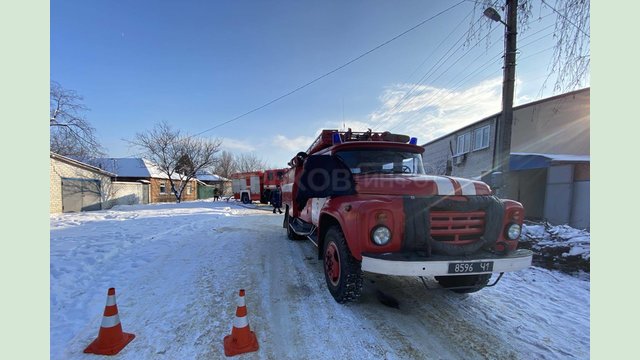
{"type": "Point", "coordinates": [561, 246]}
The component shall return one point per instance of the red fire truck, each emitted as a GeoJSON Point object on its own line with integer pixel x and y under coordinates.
{"type": "Point", "coordinates": [256, 185]}
{"type": "Point", "coordinates": [365, 201]}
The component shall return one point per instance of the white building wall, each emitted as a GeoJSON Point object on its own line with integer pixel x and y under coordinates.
{"type": "Point", "coordinates": [59, 169]}
{"type": "Point", "coordinates": [557, 126]}
{"type": "Point", "coordinates": [126, 193]}
{"type": "Point", "coordinates": [473, 164]}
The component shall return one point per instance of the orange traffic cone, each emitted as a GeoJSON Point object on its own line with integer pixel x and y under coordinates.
{"type": "Point", "coordinates": [242, 339]}
{"type": "Point", "coordinates": [110, 339]}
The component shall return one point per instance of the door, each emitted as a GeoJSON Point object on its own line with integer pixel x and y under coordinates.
{"type": "Point", "coordinates": [80, 195]}
{"type": "Point", "coordinates": [145, 193]}
{"type": "Point", "coordinates": [255, 185]}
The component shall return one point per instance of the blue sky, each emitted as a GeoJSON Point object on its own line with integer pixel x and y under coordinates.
{"type": "Point", "coordinates": [196, 64]}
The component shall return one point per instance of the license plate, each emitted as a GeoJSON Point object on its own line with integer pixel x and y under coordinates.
{"type": "Point", "coordinates": [470, 267]}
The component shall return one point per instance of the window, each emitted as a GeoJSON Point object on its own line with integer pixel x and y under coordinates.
{"type": "Point", "coordinates": [381, 161]}
{"type": "Point", "coordinates": [481, 138]}
{"type": "Point", "coordinates": [463, 144]}
{"type": "Point", "coordinates": [163, 188]}
{"type": "Point", "coordinates": [189, 189]}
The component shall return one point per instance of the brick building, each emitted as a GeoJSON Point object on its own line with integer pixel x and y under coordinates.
{"type": "Point", "coordinates": [147, 174]}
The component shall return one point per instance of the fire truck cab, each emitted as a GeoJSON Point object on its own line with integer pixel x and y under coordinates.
{"type": "Point", "coordinates": [365, 201]}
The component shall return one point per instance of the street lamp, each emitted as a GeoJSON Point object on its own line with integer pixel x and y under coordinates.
{"type": "Point", "coordinates": [505, 123]}
{"type": "Point", "coordinates": [492, 14]}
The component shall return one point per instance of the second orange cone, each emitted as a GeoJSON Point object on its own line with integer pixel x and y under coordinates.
{"type": "Point", "coordinates": [242, 339]}
{"type": "Point", "coordinates": [111, 339]}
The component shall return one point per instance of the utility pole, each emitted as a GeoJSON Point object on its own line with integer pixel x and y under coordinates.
{"type": "Point", "coordinates": [505, 121]}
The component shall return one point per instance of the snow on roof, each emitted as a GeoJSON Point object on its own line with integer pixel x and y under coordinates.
{"type": "Point", "coordinates": [131, 167]}
{"type": "Point", "coordinates": [123, 167]}
{"type": "Point", "coordinates": [210, 177]}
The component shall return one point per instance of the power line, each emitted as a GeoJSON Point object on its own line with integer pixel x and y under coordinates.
{"type": "Point", "coordinates": [566, 19]}
{"type": "Point", "coordinates": [401, 104]}
{"type": "Point", "coordinates": [332, 71]}
{"type": "Point", "coordinates": [449, 67]}
{"type": "Point", "coordinates": [536, 53]}
{"type": "Point", "coordinates": [437, 98]}
{"type": "Point", "coordinates": [415, 86]}
{"type": "Point", "coordinates": [422, 80]}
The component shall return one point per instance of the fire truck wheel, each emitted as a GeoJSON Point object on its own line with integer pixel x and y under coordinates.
{"type": "Point", "coordinates": [341, 270]}
{"type": "Point", "coordinates": [245, 198]}
{"type": "Point", "coordinates": [464, 280]}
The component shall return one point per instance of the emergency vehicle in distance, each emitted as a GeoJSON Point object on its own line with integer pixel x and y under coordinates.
{"type": "Point", "coordinates": [365, 201]}
{"type": "Point", "coordinates": [256, 185]}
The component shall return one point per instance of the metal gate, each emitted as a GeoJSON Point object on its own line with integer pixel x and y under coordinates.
{"type": "Point", "coordinates": [81, 195]}
{"type": "Point", "coordinates": [145, 193]}
{"type": "Point", "coordinates": [205, 192]}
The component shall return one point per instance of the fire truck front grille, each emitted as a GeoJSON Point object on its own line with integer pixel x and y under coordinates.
{"type": "Point", "coordinates": [457, 228]}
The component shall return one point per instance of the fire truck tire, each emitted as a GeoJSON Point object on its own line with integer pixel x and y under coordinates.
{"type": "Point", "coordinates": [245, 198]}
{"type": "Point", "coordinates": [464, 280]}
{"type": "Point", "coordinates": [290, 234]}
{"type": "Point", "coordinates": [342, 271]}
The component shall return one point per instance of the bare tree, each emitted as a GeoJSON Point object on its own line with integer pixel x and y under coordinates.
{"type": "Point", "coordinates": [571, 58]}
{"type": "Point", "coordinates": [178, 156]}
{"type": "Point", "coordinates": [70, 133]}
{"type": "Point", "coordinates": [226, 165]}
{"type": "Point", "coordinates": [249, 162]}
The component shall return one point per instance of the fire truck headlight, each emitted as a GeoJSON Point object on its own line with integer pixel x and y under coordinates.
{"type": "Point", "coordinates": [380, 235]}
{"type": "Point", "coordinates": [513, 231]}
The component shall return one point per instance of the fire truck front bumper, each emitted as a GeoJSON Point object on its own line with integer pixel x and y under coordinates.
{"type": "Point", "coordinates": [438, 265]}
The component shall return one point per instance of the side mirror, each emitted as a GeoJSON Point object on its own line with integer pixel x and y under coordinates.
{"type": "Point", "coordinates": [494, 179]}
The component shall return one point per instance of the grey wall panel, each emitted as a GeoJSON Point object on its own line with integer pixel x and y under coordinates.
{"type": "Point", "coordinates": [580, 214]}
{"type": "Point", "coordinates": [557, 203]}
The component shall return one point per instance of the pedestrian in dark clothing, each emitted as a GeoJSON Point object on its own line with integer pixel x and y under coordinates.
{"type": "Point", "coordinates": [216, 194]}
{"type": "Point", "coordinates": [276, 199]}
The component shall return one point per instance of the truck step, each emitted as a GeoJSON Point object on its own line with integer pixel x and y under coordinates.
{"type": "Point", "coordinates": [301, 227]}
{"type": "Point", "coordinates": [313, 238]}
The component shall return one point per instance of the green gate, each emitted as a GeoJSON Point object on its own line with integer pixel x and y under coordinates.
{"type": "Point", "coordinates": [205, 191]}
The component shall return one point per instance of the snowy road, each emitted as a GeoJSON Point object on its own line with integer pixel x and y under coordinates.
{"type": "Point", "coordinates": [177, 269]}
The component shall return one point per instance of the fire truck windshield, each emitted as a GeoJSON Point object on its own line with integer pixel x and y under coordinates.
{"type": "Point", "coordinates": [382, 161]}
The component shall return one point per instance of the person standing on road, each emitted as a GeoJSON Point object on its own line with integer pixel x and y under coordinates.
{"type": "Point", "coordinates": [276, 199]}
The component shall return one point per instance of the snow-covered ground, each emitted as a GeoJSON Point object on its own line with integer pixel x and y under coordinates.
{"type": "Point", "coordinates": [545, 235]}
{"type": "Point", "coordinates": [177, 269]}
